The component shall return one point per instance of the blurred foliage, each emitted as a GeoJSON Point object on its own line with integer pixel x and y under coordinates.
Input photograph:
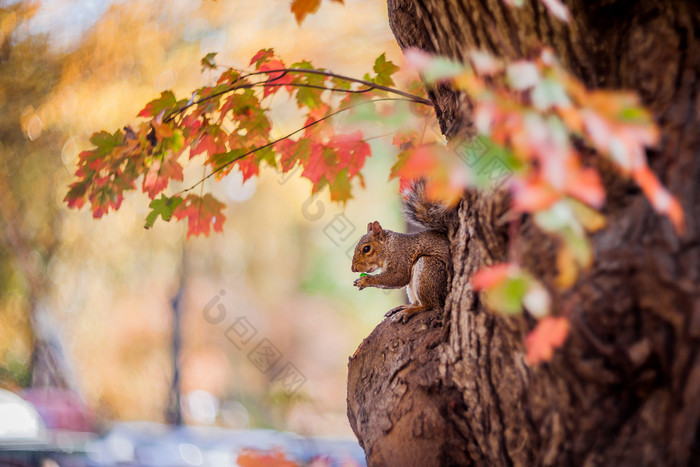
{"type": "Point", "coordinates": [28, 185]}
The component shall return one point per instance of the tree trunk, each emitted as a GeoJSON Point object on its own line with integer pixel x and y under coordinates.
{"type": "Point", "coordinates": [453, 388]}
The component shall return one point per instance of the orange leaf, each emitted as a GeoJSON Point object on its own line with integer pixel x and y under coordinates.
{"type": "Point", "coordinates": [202, 213]}
{"type": "Point", "coordinates": [491, 276]}
{"type": "Point", "coordinates": [301, 8]}
{"type": "Point", "coordinates": [659, 197]}
{"type": "Point", "coordinates": [533, 195]}
{"type": "Point", "coordinates": [549, 334]}
{"type": "Point", "coordinates": [567, 271]}
{"type": "Point", "coordinates": [585, 184]}
{"type": "Point", "coordinates": [418, 164]}
{"type": "Point", "coordinates": [252, 458]}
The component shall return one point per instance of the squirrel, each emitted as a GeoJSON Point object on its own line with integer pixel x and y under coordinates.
{"type": "Point", "coordinates": [419, 261]}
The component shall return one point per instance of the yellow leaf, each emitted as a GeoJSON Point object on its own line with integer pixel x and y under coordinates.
{"type": "Point", "coordinates": [566, 267]}
{"type": "Point", "coordinates": [590, 219]}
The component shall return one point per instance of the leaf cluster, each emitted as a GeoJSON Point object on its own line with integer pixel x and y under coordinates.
{"type": "Point", "coordinates": [228, 126]}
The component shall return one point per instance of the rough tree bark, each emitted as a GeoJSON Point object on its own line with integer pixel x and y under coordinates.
{"type": "Point", "coordinates": [453, 388]}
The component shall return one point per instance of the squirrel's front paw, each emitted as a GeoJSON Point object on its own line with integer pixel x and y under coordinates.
{"type": "Point", "coordinates": [360, 283]}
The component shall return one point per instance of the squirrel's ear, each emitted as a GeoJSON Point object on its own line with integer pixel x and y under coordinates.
{"type": "Point", "coordinates": [376, 228]}
{"type": "Point", "coordinates": [369, 227]}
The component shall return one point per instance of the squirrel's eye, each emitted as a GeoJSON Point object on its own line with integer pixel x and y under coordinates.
{"type": "Point", "coordinates": [366, 249]}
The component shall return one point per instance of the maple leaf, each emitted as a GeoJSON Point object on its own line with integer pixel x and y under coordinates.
{"type": "Point", "coordinates": [302, 8]}
{"type": "Point", "coordinates": [166, 101]}
{"type": "Point", "coordinates": [191, 125]}
{"type": "Point", "coordinates": [316, 125]}
{"type": "Point", "coordinates": [210, 142]}
{"type": "Point", "coordinates": [208, 61]}
{"type": "Point", "coordinates": [340, 187]}
{"type": "Point", "coordinates": [105, 143]}
{"type": "Point", "coordinates": [315, 165]}
{"type": "Point", "coordinates": [162, 207]}
{"type": "Point", "coordinates": [352, 151]}
{"type": "Point", "coordinates": [306, 87]}
{"type": "Point", "coordinates": [222, 162]}
{"type": "Point", "coordinates": [276, 78]}
{"type": "Point", "coordinates": [202, 214]}
{"type": "Point", "coordinates": [395, 170]}
{"type": "Point", "coordinates": [103, 197]}
{"type": "Point", "coordinates": [491, 276]}
{"type": "Point", "coordinates": [418, 163]}
{"type": "Point", "coordinates": [549, 334]}
{"type": "Point", "coordinates": [76, 194]}
{"type": "Point", "coordinates": [384, 69]}
{"type": "Point", "coordinates": [290, 151]}
{"type": "Point", "coordinates": [507, 288]}
{"type": "Point", "coordinates": [261, 56]}
{"type": "Point", "coordinates": [159, 175]}
{"type": "Point", "coordinates": [248, 167]}
{"type": "Point", "coordinates": [659, 197]}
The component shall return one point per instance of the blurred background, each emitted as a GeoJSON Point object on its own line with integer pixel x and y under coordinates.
{"type": "Point", "coordinates": [90, 310]}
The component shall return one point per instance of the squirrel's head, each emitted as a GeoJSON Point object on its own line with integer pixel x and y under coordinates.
{"type": "Point", "coordinates": [369, 252]}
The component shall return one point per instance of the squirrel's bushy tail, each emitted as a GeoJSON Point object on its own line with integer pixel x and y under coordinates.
{"type": "Point", "coordinates": [419, 210]}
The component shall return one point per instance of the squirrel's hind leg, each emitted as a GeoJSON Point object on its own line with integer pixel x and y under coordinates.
{"type": "Point", "coordinates": [407, 311]}
{"type": "Point", "coordinates": [393, 311]}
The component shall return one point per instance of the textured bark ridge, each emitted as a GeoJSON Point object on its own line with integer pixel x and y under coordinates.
{"type": "Point", "coordinates": [453, 388]}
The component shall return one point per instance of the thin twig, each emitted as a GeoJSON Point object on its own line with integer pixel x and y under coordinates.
{"type": "Point", "coordinates": [269, 82]}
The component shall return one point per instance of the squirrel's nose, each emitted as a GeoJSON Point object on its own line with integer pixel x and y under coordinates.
{"type": "Point", "coordinates": [352, 268]}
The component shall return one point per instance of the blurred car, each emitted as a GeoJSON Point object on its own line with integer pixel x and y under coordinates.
{"type": "Point", "coordinates": [26, 440]}
{"type": "Point", "coordinates": [20, 423]}
{"type": "Point", "coordinates": [60, 409]}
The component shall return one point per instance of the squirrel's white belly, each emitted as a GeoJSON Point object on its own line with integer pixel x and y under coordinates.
{"type": "Point", "coordinates": [412, 287]}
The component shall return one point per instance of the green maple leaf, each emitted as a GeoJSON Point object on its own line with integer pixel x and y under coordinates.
{"type": "Point", "coordinates": [384, 69]}
{"type": "Point", "coordinates": [208, 61]}
{"type": "Point", "coordinates": [162, 207]}
{"type": "Point", "coordinates": [341, 188]}
{"type": "Point", "coordinates": [166, 101]}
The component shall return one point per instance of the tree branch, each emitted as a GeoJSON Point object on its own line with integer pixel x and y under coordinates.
{"type": "Point", "coordinates": [270, 82]}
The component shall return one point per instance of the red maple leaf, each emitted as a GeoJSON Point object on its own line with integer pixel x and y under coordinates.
{"type": "Point", "coordinates": [491, 276]}
{"type": "Point", "coordinates": [202, 213]}
{"type": "Point", "coordinates": [192, 125]}
{"type": "Point", "coordinates": [404, 139]}
{"type": "Point", "coordinates": [210, 143]}
{"type": "Point", "coordinates": [103, 197]}
{"type": "Point", "coordinates": [159, 175]}
{"type": "Point", "coordinates": [76, 195]}
{"type": "Point", "coordinates": [315, 166]}
{"type": "Point", "coordinates": [352, 151]}
{"type": "Point", "coordinates": [261, 56]}
{"type": "Point", "coordinates": [549, 334]}
{"type": "Point", "coordinates": [276, 79]}
{"type": "Point", "coordinates": [419, 163]}
{"type": "Point", "coordinates": [247, 166]}
{"type": "Point", "coordinates": [288, 150]}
